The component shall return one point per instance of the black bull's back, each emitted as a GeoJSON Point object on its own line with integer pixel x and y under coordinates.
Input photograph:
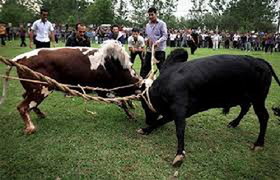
{"type": "Point", "coordinates": [213, 82]}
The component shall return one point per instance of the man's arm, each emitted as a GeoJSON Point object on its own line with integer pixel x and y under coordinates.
{"type": "Point", "coordinates": [52, 38]}
{"type": "Point", "coordinates": [52, 35]}
{"type": "Point", "coordinates": [31, 36]}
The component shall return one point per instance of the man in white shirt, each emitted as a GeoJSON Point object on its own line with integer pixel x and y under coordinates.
{"type": "Point", "coordinates": [136, 45]}
{"type": "Point", "coordinates": [43, 30]}
{"type": "Point", "coordinates": [172, 37]}
{"type": "Point", "coordinates": [236, 39]}
{"type": "Point", "coordinates": [215, 39]}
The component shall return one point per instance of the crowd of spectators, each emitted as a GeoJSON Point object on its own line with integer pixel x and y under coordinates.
{"type": "Point", "coordinates": [193, 38]}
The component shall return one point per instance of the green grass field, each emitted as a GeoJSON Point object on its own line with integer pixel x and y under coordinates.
{"type": "Point", "coordinates": [73, 144]}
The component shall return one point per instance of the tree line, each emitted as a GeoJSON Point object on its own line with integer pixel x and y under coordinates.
{"type": "Point", "coordinates": [233, 15]}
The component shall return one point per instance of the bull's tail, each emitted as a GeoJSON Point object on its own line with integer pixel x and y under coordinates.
{"type": "Point", "coordinates": [271, 70]}
{"type": "Point", "coordinates": [276, 110]}
{"type": "Point", "coordinates": [274, 75]}
{"type": "Point", "coordinates": [5, 85]}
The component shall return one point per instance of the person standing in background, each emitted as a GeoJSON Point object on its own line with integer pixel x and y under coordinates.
{"type": "Point", "coordinates": [2, 34]}
{"type": "Point", "coordinates": [156, 31]}
{"type": "Point", "coordinates": [78, 37]}
{"type": "Point", "coordinates": [44, 30]}
{"type": "Point", "coordinates": [22, 35]}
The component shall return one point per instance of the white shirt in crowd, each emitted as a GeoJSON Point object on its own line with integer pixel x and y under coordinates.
{"type": "Point", "coordinates": [173, 36]}
{"type": "Point", "coordinates": [236, 37]}
{"type": "Point", "coordinates": [203, 36]}
{"type": "Point", "coordinates": [216, 37]}
{"type": "Point", "coordinates": [42, 30]}
{"type": "Point", "coordinates": [139, 43]}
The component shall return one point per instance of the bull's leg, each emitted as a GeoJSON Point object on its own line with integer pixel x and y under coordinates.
{"type": "Point", "coordinates": [24, 109]}
{"type": "Point", "coordinates": [158, 123]}
{"type": "Point", "coordinates": [180, 133]}
{"type": "Point", "coordinates": [263, 117]}
{"type": "Point", "coordinates": [31, 102]}
{"type": "Point", "coordinates": [39, 113]}
{"type": "Point", "coordinates": [244, 109]}
{"type": "Point", "coordinates": [130, 104]}
{"type": "Point", "coordinates": [123, 105]}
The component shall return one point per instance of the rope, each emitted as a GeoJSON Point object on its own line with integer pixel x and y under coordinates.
{"type": "Point", "coordinates": [70, 86]}
{"type": "Point", "coordinates": [62, 87]}
{"type": "Point", "coordinates": [85, 103]}
{"type": "Point", "coordinates": [148, 101]}
{"type": "Point", "coordinates": [65, 88]}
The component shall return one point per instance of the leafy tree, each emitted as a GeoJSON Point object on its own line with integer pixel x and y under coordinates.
{"type": "Point", "coordinates": [219, 6]}
{"type": "Point", "coordinates": [121, 15]}
{"type": "Point", "coordinates": [165, 9]}
{"type": "Point", "coordinates": [100, 12]}
{"type": "Point", "coordinates": [138, 15]}
{"type": "Point", "coordinates": [71, 12]}
{"type": "Point", "coordinates": [250, 15]}
{"type": "Point", "coordinates": [15, 12]}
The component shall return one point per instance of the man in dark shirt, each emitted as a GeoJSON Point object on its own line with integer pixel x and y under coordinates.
{"type": "Point", "coordinates": [78, 38]}
{"type": "Point", "coordinates": [22, 34]}
{"type": "Point", "coordinates": [116, 34]}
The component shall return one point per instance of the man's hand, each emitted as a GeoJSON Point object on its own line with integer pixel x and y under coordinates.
{"type": "Point", "coordinates": [156, 43]}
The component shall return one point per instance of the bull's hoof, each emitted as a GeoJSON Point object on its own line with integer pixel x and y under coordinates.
{"type": "Point", "coordinates": [141, 131]}
{"type": "Point", "coordinates": [30, 130]}
{"type": "Point", "coordinates": [144, 131]}
{"type": "Point", "coordinates": [256, 148]}
{"type": "Point", "coordinates": [232, 124]}
{"type": "Point", "coordinates": [177, 162]}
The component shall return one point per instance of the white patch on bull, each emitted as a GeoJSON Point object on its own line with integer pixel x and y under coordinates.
{"type": "Point", "coordinates": [27, 54]}
{"type": "Point", "coordinates": [32, 104]}
{"type": "Point", "coordinates": [45, 91]}
{"type": "Point", "coordinates": [35, 52]}
{"type": "Point", "coordinates": [87, 51]}
{"type": "Point", "coordinates": [96, 63]}
{"type": "Point", "coordinates": [111, 48]}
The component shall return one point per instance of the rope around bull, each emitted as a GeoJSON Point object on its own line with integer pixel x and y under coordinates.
{"type": "Point", "coordinates": [65, 88]}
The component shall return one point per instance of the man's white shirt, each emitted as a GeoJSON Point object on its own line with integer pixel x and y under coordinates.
{"type": "Point", "coordinates": [139, 43]}
{"type": "Point", "coordinates": [42, 30]}
{"type": "Point", "coordinates": [173, 36]}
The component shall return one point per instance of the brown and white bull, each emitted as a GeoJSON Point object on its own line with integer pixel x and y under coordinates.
{"type": "Point", "coordinates": [106, 67]}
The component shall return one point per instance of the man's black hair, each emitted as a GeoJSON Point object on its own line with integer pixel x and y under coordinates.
{"type": "Point", "coordinates": [114, 26]}
{"type": "Point", "coordinates": [152, 10]}
{"type": "Point", "coordinates": [135, 30]}
{"type": "Point", "coordinates": [43, 10]}
{"type": "Point", "coordinates": [79, 24]}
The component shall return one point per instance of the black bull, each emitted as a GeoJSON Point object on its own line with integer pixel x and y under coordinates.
{"type": "Point", "coordinates": [222, 81]}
